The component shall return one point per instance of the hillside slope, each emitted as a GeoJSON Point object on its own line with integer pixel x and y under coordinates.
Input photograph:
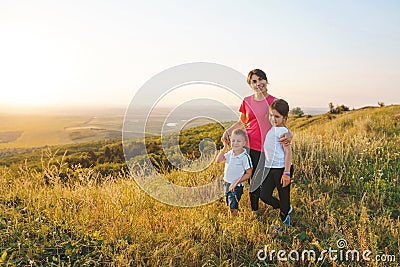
{"type": "Point", "coordinates": [346, 187]}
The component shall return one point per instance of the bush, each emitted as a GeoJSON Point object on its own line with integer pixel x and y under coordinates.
{"type": "Point", "coordinates": [338, 109]}
{"type": "Point", "coordinates": [297, 111]}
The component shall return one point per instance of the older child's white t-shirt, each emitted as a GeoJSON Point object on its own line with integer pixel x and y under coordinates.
{"type": "Point", "coordinates": [274, 153]}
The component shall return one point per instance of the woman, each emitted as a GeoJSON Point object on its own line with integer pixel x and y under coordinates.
{"type": "Point", "coordinates": [254, 116]}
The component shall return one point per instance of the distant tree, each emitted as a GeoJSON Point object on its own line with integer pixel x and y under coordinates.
{"type": "Point", "coordinates": [342, 108]}
{"type": "Point", "coordinates": [381, 104]}
{"type": "Point", "coordinates": [331, 107]}
{"type": "Point", "coordinates": [338, 109]}
{"type": "Point", "coordinates": [297, 111]}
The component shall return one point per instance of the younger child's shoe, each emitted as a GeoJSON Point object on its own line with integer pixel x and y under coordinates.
{"type": "Point", "coordinates": [277, 229]}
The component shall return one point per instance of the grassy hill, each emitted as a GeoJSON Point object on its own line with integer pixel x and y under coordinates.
{"type": "Point", "coordinates": [368, 120]}
{"type": "Point", "coordinates": [346, 186]}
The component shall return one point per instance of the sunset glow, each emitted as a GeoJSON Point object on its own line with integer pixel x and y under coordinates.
{"type": "Point", "coordinates": [98, 53]}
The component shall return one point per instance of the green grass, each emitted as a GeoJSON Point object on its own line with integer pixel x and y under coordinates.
{"type": "Point", "coordinates": [346, 186]}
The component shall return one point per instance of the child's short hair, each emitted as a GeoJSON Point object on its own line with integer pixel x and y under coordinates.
{"type": "Point", "coordinates": [281, 106]}
{"type": "Point", "coordinates": [240, 132]}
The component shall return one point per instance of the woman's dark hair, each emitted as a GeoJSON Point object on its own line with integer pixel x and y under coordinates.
{"type": "Point", "coordinates": [257, 72]}
{"type": "Point", "coordinates": [281, 106]}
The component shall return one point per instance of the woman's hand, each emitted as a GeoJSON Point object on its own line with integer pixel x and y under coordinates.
{"type": "Point", "coordinates": [237, 125]}
{"type": "Point", "coordinates": [225, 137]}
{"type": "Point", "coordinates": [286, 138]}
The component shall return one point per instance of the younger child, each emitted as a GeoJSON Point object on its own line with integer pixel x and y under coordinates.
{"type": "Point", "coordinates": [278, 159]}
{"type": "Point", "coordinates": [238, 168]}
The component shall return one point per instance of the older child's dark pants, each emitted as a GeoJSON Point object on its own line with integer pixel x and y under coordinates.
{"type": "Point", "coordinates": [272, 181]}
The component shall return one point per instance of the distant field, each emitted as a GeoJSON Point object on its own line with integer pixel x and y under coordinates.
{"type": "Point", "coordinates": [33, 130]}
{"type": "Point", "coordinates": [26, 131]}
{"type": "Point", "coordinates": [6, 137]}
{"type": "Point", "coordinates": [23, 131]}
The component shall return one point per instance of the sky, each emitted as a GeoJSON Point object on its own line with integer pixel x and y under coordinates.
{"type": "Point", "coordinates": [99, 53]}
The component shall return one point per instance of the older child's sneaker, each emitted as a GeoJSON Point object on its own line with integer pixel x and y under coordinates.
{"type": "Point", "coordinates": [286, 222]}
{"type": "Point", "coordinates": [290, 209]}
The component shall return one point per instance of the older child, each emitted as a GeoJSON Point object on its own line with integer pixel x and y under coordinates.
{"type": "Point", "coordinates": [238, 169]}
{"type": "Point", "coordinates": [278, 160]}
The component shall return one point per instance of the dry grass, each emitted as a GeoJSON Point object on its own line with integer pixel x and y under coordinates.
{"type": "Point", "coordinates": [346, 186]}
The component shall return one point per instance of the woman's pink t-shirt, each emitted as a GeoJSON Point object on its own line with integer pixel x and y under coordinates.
{"type": "Point", "coordinates": [257, 121]}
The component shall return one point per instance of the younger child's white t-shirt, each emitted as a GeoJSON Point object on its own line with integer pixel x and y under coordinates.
{"type": "Point", "coordinates": [235, 166]}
